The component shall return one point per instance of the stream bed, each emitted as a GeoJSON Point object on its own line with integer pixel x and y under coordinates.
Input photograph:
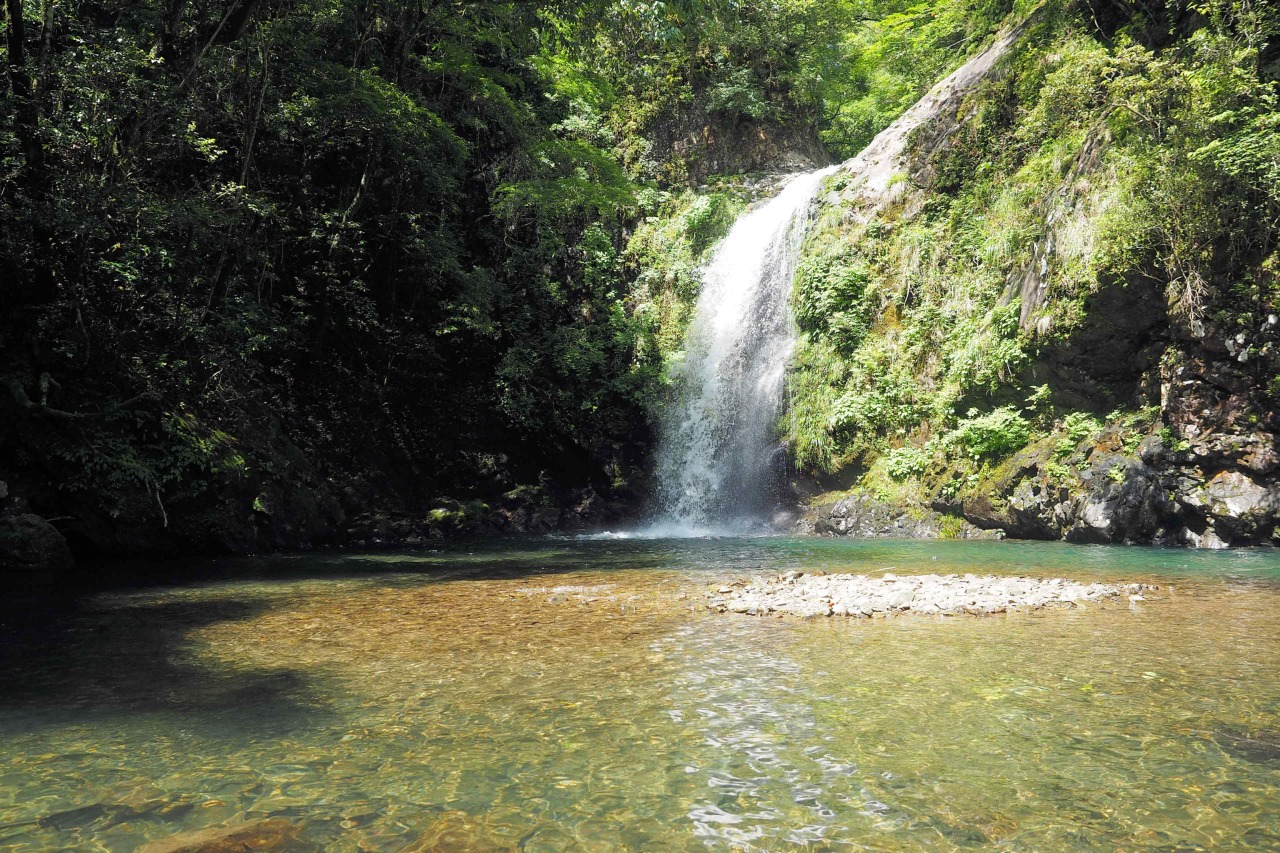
{"type": "Point", "coordinates": [576, 694]}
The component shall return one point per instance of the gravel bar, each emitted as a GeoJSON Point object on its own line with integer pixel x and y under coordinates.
{"type": "Point", "coordinates": [821, 594]}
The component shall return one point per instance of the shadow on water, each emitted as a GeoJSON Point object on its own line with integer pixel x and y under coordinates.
{"type": "Point", "coordinates": [87, 653]}
{"type": "Point", "coordinates": [78, 662]}
{"type": "Point", "coordinates": [554, 555]}
{"type": "Point", "coordinates": [481, 560]}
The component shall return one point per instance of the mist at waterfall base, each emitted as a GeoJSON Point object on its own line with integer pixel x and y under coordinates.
{"type": "Point", "coordinates": [720, 467]}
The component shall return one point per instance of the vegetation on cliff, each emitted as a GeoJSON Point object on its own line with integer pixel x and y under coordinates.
{"type": "Point", "coordinates": [1082, 254]}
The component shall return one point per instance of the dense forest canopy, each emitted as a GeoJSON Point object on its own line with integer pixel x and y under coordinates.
{"type": "Point", "coordinates": [270, 265]}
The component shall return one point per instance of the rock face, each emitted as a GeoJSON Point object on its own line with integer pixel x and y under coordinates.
{"type": "Point", "coordinates": [1205, 495]}
{"type": "Point", "coordinates": [1206, 369]}
{"type": "Point", "coordinates": [570, 511]}
{"type": "Point", "coordinates": [1216, 492]}
{"type": "Point", "coordinates": [32, 551]}
{"type": "Point", "coordinates": [886, 157]}
{"type": "Point", "coordinates": [275, 835]}
{"type": "Point", "coordinates": [863, 516]}
{"type": "Point", "coordinates": [798, 594]}
{"type": "Point", "coordinates": [704, 141]}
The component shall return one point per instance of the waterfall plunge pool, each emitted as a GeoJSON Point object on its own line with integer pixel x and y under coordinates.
{"type": "Point", "coordinates": [566, 694]}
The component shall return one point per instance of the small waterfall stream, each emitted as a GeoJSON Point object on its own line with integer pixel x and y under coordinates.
{"type": "Point", "coordinates": [719, 463]}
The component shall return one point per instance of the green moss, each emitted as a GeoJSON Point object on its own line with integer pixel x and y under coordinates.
{"type": "Point", "coordinates": [451, 517]}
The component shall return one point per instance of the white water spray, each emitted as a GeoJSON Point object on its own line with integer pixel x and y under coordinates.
{"type": "Point", "coordinates": [719, 461]}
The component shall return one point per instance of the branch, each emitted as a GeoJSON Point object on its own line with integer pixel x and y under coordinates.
{"type": "Point", "coordinates": [42, 408]}
{"type": "Point", "coordinates": [20, 395]}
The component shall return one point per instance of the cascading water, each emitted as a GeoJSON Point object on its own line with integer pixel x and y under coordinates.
{"type": "Point", "coordinates": [718, 455]}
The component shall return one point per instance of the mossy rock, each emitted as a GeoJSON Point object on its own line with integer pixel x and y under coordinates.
{"type": "Point", "coordinates": [32, 550]}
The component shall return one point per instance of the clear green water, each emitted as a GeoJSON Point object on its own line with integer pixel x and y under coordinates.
{"type": "Point", "coordinates": [464, 701]}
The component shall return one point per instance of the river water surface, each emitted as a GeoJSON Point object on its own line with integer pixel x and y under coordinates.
{"type": "Point", "coordinates": [569, 695]}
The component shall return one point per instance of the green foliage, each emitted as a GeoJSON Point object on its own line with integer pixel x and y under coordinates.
{"type": "Point", "coordinates": [739, 92]}
{"type": "Point", "coordinates": [566, 180]}
{"type": "Point", "coordinates": [378, 239]}
{"type": "Point", "coordinates": [1102, 154]}
{"type": "Point", "coordinates": [1172, 441]}
{"type": "Point", "coordinates": [904, 462]}
{"type": "Point", "coordinates": [665, 253]}
{"type": "Point", "coordinates": [829, 296]}
{"type": "Point", "coordinates": [989, 436]}
{"type": "Point", "coordinates": [1059, 472]}
{"type": "Point", "coordinates": [951, 527]}
{"type": "Point", "coordinates": [813, 388]}
{"type": "Point", "coordinates": [452, 517]}
{"type": "Point", "coordinates": [1080, 425]}
{"type": "Point", "coordinates": [887, 65]}
{"type": "Point", "coordinates": [708, 219]}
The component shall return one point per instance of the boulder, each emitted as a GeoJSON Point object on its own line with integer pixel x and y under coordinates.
{"type": "Point", "coordinates": [545, 519]}
{"type": "Point", "coordinates": [1241, 507]}
{"type": "Point", "coordinates": [865, 517]}
{"type": "Point", "coordinates": [32, 549]}
{"type": "Point", "coordinates": [1233, 495]}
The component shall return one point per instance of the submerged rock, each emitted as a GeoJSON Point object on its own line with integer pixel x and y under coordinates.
{"type": "Point", "coordinates": [275, 835]}
{"type": "Point", "coordinates": [458, 832]}
{"type": "Point", "coordinates": [1256, 746]}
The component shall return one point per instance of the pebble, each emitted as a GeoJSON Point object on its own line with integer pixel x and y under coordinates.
{"type": "Point", "coordinates": [818, 594]}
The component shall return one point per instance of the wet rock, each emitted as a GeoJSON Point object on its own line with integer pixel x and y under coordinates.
{"type": "Point", "coordinates": [274, 835]}
{"type": "Point", "coordinates": [864, 517]}
{"type": "Point", "coordinates": [1151, 450]}
{"type": "Point", "coordinates": [545, 519]}
{"type": "Point", "coordinates": [1262, 456]}
{"type": "Point", "coordinates": [1207, 539]}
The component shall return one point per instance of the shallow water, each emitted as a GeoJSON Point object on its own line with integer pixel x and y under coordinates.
{"type": "Point", "coordinates": [569, 695]}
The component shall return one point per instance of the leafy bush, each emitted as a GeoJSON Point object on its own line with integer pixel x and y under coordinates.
{"type": "Point", "coordinates": [708, 219]}
{"type": "Point", "coordinates": [905, 462]}
{"type": "Point", "coordinates": [739, 92]}
{"type": "Point", "coordinates": [830, 291]}
{"type": "Point", "coordinates": [993, 435]}
{"type": "Point", "coordinates": [951, 527]}
{"type": "Point", "coordinates": [1080, 425]}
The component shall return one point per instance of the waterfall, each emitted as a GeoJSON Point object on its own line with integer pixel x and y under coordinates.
{"type": "Point", "coordinates": [720, 467]}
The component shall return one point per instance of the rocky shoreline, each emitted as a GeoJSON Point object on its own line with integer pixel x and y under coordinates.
{"type": "Point", "coordinates": [821, 594]}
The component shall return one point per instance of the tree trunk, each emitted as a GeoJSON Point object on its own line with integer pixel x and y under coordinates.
{"type": "Point", "coordinates": [26, 118]}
